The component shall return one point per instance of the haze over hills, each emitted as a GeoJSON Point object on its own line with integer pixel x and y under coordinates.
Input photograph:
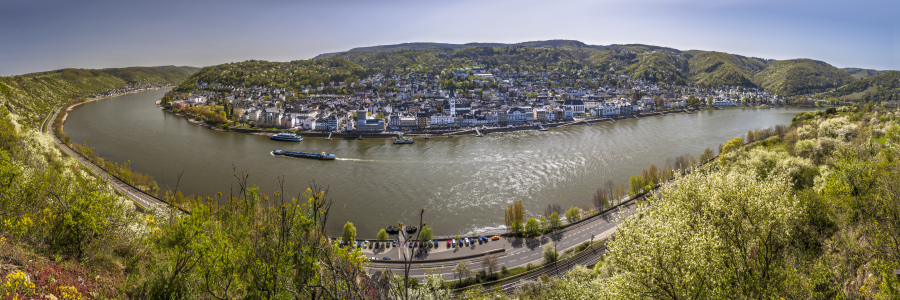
{"type": "Point", "coordinates": [651, 63]}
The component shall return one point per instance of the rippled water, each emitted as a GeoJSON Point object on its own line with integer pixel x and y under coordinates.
{"type": "Point", "coordinates": [464, 182]}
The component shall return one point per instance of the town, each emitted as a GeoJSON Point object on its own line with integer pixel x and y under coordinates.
{"type": "Point", "coordinates": [463, 98]}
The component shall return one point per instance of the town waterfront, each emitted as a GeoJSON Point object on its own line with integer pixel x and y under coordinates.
{"type": "Point", "coordinates": [464, 183]}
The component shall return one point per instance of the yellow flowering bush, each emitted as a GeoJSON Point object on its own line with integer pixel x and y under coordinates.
{"type": "Point", "coordinates": [69, 293]}
{"type": "Point", "coordinates": [17, 284]}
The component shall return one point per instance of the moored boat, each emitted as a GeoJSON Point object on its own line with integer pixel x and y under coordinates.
{"type": "Point", "coordinates": [403, 141]}
{"type": "Point", "coordinates": [287, 137]}
{"type": "Point", "coordinates": [320, 155]}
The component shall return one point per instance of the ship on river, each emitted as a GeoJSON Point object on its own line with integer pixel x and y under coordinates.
{"type": "Point", "coordinates": [287, 137]}
{"type": "Point", "coordinates": [320, 155]}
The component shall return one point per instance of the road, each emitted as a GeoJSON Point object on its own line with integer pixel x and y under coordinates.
{"type": "Point", "coordinates": [142, 199]}
{"type": "Point", "coordinates": [519, 252]}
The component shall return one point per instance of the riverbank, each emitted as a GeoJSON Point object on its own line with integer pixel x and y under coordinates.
{"type": "Point", "coordinates": [425, 133]}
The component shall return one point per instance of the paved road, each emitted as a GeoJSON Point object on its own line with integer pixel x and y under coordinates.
{"type": "Point", "coordinates": [518, 252]}
{"type": "Point", "coordinates": [139, 197]}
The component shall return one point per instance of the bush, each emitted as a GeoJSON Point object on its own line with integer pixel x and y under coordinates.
{"type": "Point", "coordinates": [504, 271]}
{"type": "Point", "coordinates": [528, 267]}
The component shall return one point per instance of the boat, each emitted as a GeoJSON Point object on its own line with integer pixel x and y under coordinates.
{"type": "Point", "coordinates": [392, 229]}
{"type": "Point", "coordinates": [403, 141]}
{"type": "Point", "coordinates": [320, 155]}
{"type": "Point", "coordinates": [427, 136]}
{"type": "Point", "coordinates": [411, 229]}
{"type": "Point", "coordinates": [287, 137]}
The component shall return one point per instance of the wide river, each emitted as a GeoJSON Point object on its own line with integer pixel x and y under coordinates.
{"type": "Point", "coordinates": [464, 183]}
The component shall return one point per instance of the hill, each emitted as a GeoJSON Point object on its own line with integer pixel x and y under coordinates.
{"type": "Point", "coordinates": [800, 76]}
{"type": "Point", "coordinates": [33, 95]}
{"type": "Point", "coordinates": [292, 74]}
{"type": "Point", "coordinates": [646, 62]}
{"type": "Point", "coordinates": [859, 73]}
{"type": "Point", "coordinates": [881, 87]}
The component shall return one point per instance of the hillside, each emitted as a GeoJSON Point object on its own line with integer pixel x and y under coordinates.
{"type": "Point", "coordinates": [292, 74]}
{"type": "Point", "coordinates": [881, 87]}
{"type": "Point", "coordinates": [800, 76]}
{"type": "Point", "coordinates": [31, 96]}
{"type": "Point", "coordinates": [859, 73]}
{"type": "Point", "coordinates": [710, 68]}
{"type": "Point", "coordinates": [646, 62]}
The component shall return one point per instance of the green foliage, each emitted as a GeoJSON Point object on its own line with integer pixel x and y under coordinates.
{"type": "Point", "coordinates": [383, 235]}
{"type": "Point", "coordinates": [573, 214]}
{"type": "Point", "coordinates": [514, 216]}
{"type": "Point", "coordinates": [426, 234]}
{"type": "Point", "coordinates": [549, 252]}
{"type": "Point", "coordinates": [532, 227]}
{"type": "Point", "coordinates": [349, 234]}
{"type": "Point", "coordinates": [733, 144]}
{"type": "Point", "coordinates": [555, 221]}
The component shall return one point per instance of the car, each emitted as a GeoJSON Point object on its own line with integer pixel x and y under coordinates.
{"type": "Point", "coordinates": [496, 237]}
{"type": "Point", "coordinates": [461, 242]}
{"type": "Point", "coordinates": [358, 244]}
{"type": "Point", "coordinates": [370, 245]}
{"type": "Point", "coordinates": [435, 244]}
{"type": "Point", "coordinates": [394, 244]}
{"type": "Point", "coordinates": [448, 243]}
{"type": "Point", "coordinates": [386, 258]}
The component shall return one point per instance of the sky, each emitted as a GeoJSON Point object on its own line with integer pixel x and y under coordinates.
{"type": "Point", "coordinates": [42, 35]}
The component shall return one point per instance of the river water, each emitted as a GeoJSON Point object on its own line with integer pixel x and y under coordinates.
{"type": "Point", "coordinates": [464, 183]}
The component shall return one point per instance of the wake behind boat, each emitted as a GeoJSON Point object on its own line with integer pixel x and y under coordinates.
{"type": "Point", "coordinates": [287, 137]}
{"type": "Point", "coordinates": [321, 155]}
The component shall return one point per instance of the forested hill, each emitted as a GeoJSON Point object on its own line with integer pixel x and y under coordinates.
{"type": "Point", "coordinates": [651, 63]}
{"type": "Point", "coordinates": [881, 87]}
{"type": "Point", "coordinates": [33, 95]}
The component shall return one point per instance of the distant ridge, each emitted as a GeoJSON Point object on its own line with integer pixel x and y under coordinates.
{"type": "Point", "coordinates": [646, 62]}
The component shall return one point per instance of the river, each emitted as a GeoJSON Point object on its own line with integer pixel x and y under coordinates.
{"type": "Point", "coordinates": [464, 183]}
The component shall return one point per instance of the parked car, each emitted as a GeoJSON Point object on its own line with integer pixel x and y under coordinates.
{"type": "Point", "coordinates": [448, 244]}
{"type": "Point", "coordinates": [394, 244]}
{"type": "Point", "coordinates": [496, 237]}
{"type": "Point", "coordinates": [435, 244]}
{"type": "Point", "coordinates": [386, 258]}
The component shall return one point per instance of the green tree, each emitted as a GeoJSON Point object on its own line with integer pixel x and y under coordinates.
{"type": "Point", "coordinates": [532, 227]}
{"type": "Point", "coordinates": [573, 214]}
{"type": "Point", "coordinates": [555, 221]}
{"type": "Point", "coordinates": [382, 235]}
{"type": "Point", "coordinates": [349, 233]}
{"type": "Point", "coordinates": [425, 234]}
{"type": "Point", "coordinates": [733, 144]}
{"type": "Point", "coordinates": [515, 216]}
{"type": "Point", "coordinates": [545, 223]}
{"type": "Point", "coordinates": [550, 253]}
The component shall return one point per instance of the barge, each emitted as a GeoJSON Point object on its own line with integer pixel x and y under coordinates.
{"type": "Point", "coordinates": [321, 155]}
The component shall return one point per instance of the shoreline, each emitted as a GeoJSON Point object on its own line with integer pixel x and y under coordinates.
{"type": "Point", "coordinates": [422, 134]}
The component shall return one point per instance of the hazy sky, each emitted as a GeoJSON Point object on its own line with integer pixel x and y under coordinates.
{"type": "Point", "coordinates": [40, 35]}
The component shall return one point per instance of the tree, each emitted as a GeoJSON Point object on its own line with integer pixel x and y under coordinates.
{"type": "Point", "coordinates": [489, 263]}
{"type": "Point", "coordinates": [550, 254]}
{"type": "Point", "coordinates": [555, 221]}
{"type": "Point", "coordinates": [461, 270]}
{"type": "Point", "coordinates": [573, 214]}
{"type": "Point", "coordinates": [349, 233]}
{"type": "Point", "coordinates": [515, 216]}
{"type": "Point", "coordinates": [382, 235]}
{"type": "Point", "coordinates": [733, 144]}
{"type": "Point", "coordinates": [545, 223]}
{"type": "Point", "coordinates": [637, 183]}
{"type": "Point", "coordinates": [750, 136]}
{"type": "Point", "coordinates": [425, 234]}
{"type": "Point", "coordinates": [601, 199]}
{"type": "Point", "coordinates": [532, 227]}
